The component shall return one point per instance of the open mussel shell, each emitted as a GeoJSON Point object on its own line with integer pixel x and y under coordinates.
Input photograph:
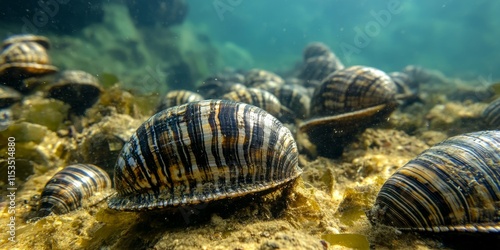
{"type": "Point", "coordinates": [77, 88]}
{"type": "Point", "coordinates": [201, 152]}
{"type": "Point", "coordinates": [453, 186]}
{"type": "Point", "coordinates": [348, 101]}
{"type": "Point", "coordinates": [491, 115]}
{"type": "Point", "coordinates": [178, 97]}
{"type": "Point", "coordinates": [75, 186]}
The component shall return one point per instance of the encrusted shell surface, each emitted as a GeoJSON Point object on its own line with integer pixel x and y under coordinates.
{"type": "Point", "coordinates": [491, 114]}
{"type": "Point", "coordinates": [77, 88]}
{"type": "Point", "coordinates": [258, 97]}
{"type": "Point", "coordinates": [73, 187]}
{"type": "Point", "coordinates": [453, 186]}
{"type": "Point", "coordinates": [203, 151]}
{"type": "Point", "coordinates": [22, 60]}
{"type": "Point", "coordinates": [178, 97]}
{"type": "Point", "coordinates": [44, 41]}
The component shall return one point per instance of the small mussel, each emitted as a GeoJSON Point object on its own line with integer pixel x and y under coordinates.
{"type": "Point", "coordinates": [347, 101]}
{"type": "Point", "coordinates": [75, 186]}
{"type": "Point", "coordinates": [178, 97]}
{"type": "Point", "coordinates": [8, 96]}
{"type": "Point", "coordinates": [258, 97]}
{"type": "Point", "coordinates": [44, 41]}
{"type": "Point", "coordinates": [216, 86]}
{"type": "Point", "coordinates": [201, 152]}
{"type": "Point", "coordinates": [453, 186]}
{"type": "Point", "coordinates": [319, 62]}
{"type": "Point", "coordinates": [23, 60]}
{"type": "Point", "coordinates": [77, 88]}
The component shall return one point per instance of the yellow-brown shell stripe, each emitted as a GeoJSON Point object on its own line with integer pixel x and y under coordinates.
{"type": "Point", "coordinates": [453, 186]}
{"type": "Point", "coordinates": [68, 188]}
{"type": "Point", "coordinates": [203, 151]}
{"type": "Point", "coordinates": [26, 52]}
{"type": "Point", "coordinates": [179, 97]}
{"type": "Point", "coordinates": [352, 89]}
{"type": "Point", "coordinates": [258, 97]}
{"type": "Point", "coordinates": [491, 114]}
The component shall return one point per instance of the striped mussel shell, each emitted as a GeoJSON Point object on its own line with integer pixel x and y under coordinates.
{"type": "Point", "coordinates": [402, 81]}
{"type": "Point", "coordinates": [178, 97]}
{"type": "Point", "coordinates": [201, 152]}
{"type": "Point", "coordinates": [25, 59]}
{"type": "Point", "coordinates": [352, 89]}
{"type": "Point", "coordinates": [79, 185]}
{"type": "Point", "coordinates": [257, 97]}
{"type": "Point", "coordinates": [491, 115]}
{"type": "Point", "coordinates": [77, 88]}
{"type": "Point", "coordinates": [263, 79]}
{"type": "Point", "coordinates": [453, 186]}
{"type": "Point", "coordinates": [319, 67]}
{"type": "Point", "coordinates": [295, 98]}
{"type": "Point", "coordinates": [44, 41]}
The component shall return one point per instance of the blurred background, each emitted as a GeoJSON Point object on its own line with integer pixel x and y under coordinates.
{"type": "Point", "coordinates": [163, 44]}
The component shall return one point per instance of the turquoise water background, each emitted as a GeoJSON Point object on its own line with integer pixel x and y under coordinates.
{"type": "Point", "coordinates": [459, 38]}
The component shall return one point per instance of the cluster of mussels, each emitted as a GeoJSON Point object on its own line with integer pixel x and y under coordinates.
{"type": "Point", "coordinates": [25, 66]}
{"type": "Point", "coordinates": [228, 140]}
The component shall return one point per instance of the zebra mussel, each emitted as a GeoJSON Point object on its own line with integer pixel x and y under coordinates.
{"type": "Point", "coordinates": [348, 100]}
{"type": "Point", "coordinates": [75, 186]}
{"type": "Point", "coordinates": [201, 152]}
{"type": "Point", "coordinates": [453, 186]}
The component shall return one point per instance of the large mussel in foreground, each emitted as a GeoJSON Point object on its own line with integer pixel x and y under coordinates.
{"type": "Point", "coordinates": [349, 100]}
{"type": "Point", "coordinates": [453, 186]}
{"type": "Point", "coordinates": [201, 152]}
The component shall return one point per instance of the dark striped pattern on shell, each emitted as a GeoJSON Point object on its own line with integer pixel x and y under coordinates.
{"type": "Point", "coordinates": [352, 89]}
{"type": "Point", "coordinates": [453, 186]}
{"type": "Point", "coordinates": [178, 97]}
{"type": "Point", "coordinates": [203, 151]}
{"type": "Point", "coordinates": [295, 98]}
{"type": "Point", "coordinates": [26, 57]}
{"type": "Point", "coordinates": [319, 67]}
{"type": "Point", "coordinates": [73, 187]}
{"type": "Point", "coordinates": [491, 114]}
{"type": "Point", "coordinates": [257, 97]}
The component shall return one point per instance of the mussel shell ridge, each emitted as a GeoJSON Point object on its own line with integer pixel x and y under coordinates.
{"type": "Point", "coordinates": [453, 186]}
{"type": "Point", "coordinates": [203, 151]}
